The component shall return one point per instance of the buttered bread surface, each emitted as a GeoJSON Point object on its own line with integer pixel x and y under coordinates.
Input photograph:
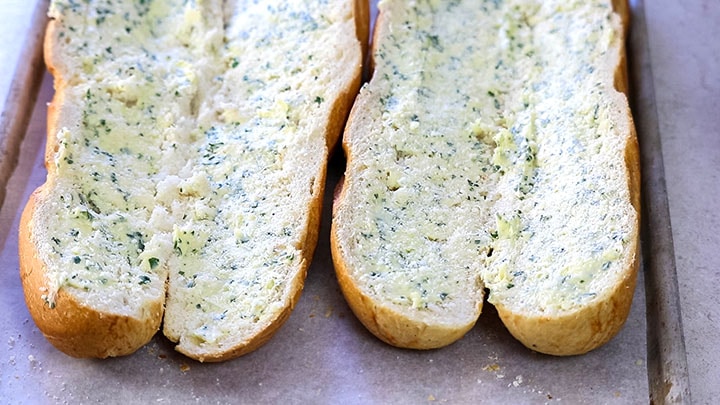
{"type": "Point", "coordinates": [491, 150]}
{"type": "Point", "coordinates": [187, 147]}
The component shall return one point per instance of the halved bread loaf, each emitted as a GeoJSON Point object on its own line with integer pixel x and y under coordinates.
{"type": "Point", "coordinates": [492, 149]}
{"type": "Point", "coordinates": [186, 156]}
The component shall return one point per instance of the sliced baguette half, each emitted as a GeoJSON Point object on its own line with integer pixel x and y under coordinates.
{"type": "Point", "coordinates": [186, 156]}
{"type": "Point", "coordinates": [492, 149]}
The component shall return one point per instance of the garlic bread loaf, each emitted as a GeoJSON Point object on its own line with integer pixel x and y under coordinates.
{"type": "Point", "coordinates": [493, 149]}
{"type": "Point", "coordinates": [186, 157]}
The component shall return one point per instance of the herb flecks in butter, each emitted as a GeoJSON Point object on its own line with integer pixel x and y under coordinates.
{"type": "Point", "coordinates": [465, 188]}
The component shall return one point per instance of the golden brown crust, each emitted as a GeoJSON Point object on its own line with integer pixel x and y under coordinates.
{"type": "Point", "coordinates": [52, 118]}
{"type": "Point", "coordinates": [622, 84]}
{"type": "Point", "coordinates": [49, 48]}
{"type": "Point", "coordinates": [361, 13]}
{"type": "Point", "coordinates": [73, 328]}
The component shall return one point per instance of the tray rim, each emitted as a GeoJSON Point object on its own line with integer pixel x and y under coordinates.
{"type": "Point", "coordinates": [668, 374]}
{"type": "Point", "coordinates": [22, 95]}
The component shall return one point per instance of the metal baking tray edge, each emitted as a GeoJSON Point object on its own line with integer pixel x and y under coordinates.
{"type": "Point", "coordinates": [667, 360]}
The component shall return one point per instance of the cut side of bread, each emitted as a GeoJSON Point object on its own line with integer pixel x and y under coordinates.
{"type": "Point", "coordinates": [492, 149]}
{"type": "Point", "coordinates": [255, 188]}
{"type": "Point", "coordinates": [186, 156]}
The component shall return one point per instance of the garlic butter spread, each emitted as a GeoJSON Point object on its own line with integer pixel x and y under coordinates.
{"type": "Point", "coordinates": [188, 150]}
{"type": "Point", "coordinates": [491, 160]}
{"type": "Point", "coordinates": [120, 109]}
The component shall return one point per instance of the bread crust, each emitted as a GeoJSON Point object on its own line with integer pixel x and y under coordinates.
{"type": "Point", "coordinates": [570, 333]}
{"type": "Point", "coordinates": [74, 328]}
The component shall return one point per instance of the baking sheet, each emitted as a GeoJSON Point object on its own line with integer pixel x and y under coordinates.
{"type": "Point", "coordinates": [21, 95]}
{"type": "Point", "coordinates": [322, 354]}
